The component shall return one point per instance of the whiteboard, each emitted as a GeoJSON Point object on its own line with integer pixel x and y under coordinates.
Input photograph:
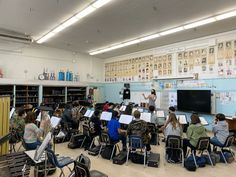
{"type": "Point", "coordinates": [137, 97]}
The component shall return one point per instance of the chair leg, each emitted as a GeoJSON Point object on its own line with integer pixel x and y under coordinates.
{"type": "Point", "coordinates": [165, 156]}
{"type": "Point", "coordinates": [113, 149]}
{"type": "Point", "coordinates": [182, 154]}
{"type": "Point", "coordinates": [194, 159]}
{"type": "Point", "coordinates": [62, 173]}
{"type": "Point", "coordinates": [145, 156]}
{"type": "Point", "coordinates": [209, 157]}
{"type": "Point", "coordinates": [127, 158]}
{"type": "Point", "coordinates": [223, 156]}
{"type": "Point", "coordinates": [83, 142]}
{"type": "Point", "coordinates": [91, 143]}
{"type": "Point", "coordinates": [100, 150]}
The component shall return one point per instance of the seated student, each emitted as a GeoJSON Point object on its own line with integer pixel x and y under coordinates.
{"type": "Point", "coordinates": [220, 130]}
{"type": "Point", "coordinates": [32, 133]}
{"type": "Point", "coordinates": [154, 118]}
{"type": "Point", "coordinates": [173, 127]}
{"type": "Point", "coordinates": [115, 132]}
{"type": "Point", "coordinates": [194, 132]}
{"type": "Point", "coordinates": [95, 124]}
{"type": "Point", "coordinates": [45, 123]}
{"type": "Point", "coordinates": [19, 123]}
{"type": "Point", "coordinates": [110, 107]}
{"type": "Point", "coordinates": [67, 120]}
{"type": "Point", "coordinates": [140, 128]}
{"type": "Point", "coordinates": [106, 106]}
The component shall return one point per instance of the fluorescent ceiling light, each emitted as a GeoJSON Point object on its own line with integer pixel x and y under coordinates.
{"type": "Point", "coordinates": [46, 37]}
{"type": "Point", "coordinates": [226, 15]}
{"type": "Point", "coordinates": [85, 12]}
{"type": "Point", "coordinates": [100, 3]}
{"type": "Point", "coordinates": [88, 10]}
{"type": "Point", "coordinates": [174, 30]}
{"type": "Point", "coordinates": [200, 23]}
{"type": "Point", "coordinates": [153, 36]}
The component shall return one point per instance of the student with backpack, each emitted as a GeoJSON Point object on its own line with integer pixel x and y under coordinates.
{"type": "Point", "coordinates": [194, 132]}
{"type": "Point", "coordinates": [95, 125]}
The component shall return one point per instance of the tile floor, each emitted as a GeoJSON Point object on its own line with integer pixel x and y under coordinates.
{"type": "Point", "coordinates": [136, 170]}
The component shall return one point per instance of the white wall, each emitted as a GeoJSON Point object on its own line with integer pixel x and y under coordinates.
{"type": "Point", "coordinates": [28, 62]}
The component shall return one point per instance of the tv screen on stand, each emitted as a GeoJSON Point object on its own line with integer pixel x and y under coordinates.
{"type": "Point", "coordinates": [194, 101]}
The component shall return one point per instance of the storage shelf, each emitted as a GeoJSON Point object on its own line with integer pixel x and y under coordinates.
{"type": "Point", "coordinates": [26, 96]}
{"type": "Point", "coordinates": [26, 102]}
{"type": "Point", "coordinates": [53, 95]}
{"type": "Point", "coordinates": [26, 90]}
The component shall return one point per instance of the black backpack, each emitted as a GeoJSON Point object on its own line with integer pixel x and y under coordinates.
{"type": "Point", "coordinates": [107, 151]}
{"type": "Point", "coordinates": [190, 165]}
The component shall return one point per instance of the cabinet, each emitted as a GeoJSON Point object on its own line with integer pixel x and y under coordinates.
{"type": "Point", "coordinates": [76, 93]}
{"type": "Point", "coordinates": [25, 94]}
{"type": "Point", "coordinates": [53, 95]}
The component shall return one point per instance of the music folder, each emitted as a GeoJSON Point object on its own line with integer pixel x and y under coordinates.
{"type": "Point", "coordinates": [88, 113]}
{"type": "Point", "coordinates": [55, 121]}
{"type": "Point", "coordinates": [106, 116]}
{"type": "Point", "coordinates": [160, 114]}
{"type": "Point", "coordinates": [125, 119]}
{"type": "Point", "coordinates": [146, 116]}
{"type": "Point", "coordinates": [182, 119]}
{"type": "Point", "coordinates": [122, 108]}
{"type": "Point", "coordinates": [203, 121]}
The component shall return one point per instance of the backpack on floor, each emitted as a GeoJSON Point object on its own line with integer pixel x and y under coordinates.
{"type": "Point", "coordinates": [94, 150]}
{"type": "Point", "coordinates": [107, 151]}
{"type": "Point", "coordinates": [189, 164]}
{"type": "Point", "coordinates": [120, 158]}
{"type": "Point", "coordinates": [76, 141]}
{"type": "Point", "coordinates": [137, 158]}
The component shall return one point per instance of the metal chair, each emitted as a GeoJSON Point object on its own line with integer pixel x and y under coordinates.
{"type": "Point", "coordinates": [154, 133]}
{"type": "Point", "coordinates": [59, 162]}
{"type": "Point", "coordinates": [228, 142]}
{"type": "Point", "coordinates": [136, 142]}
{"type": "Point", "coordinates": [174, 142]}
{"type": "Point", "coordinates": [105, 141]}
{"type": "Point", "coordinates": [202, 146]}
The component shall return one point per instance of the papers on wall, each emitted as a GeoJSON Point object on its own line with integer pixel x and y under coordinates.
{"type": "Point", "coordinates": [55, 121]}
{"type": "Point", "coordinates": [42, 147]}
{"type": "Point", "coordinates": [160, 114]}
{"type": "Point", "coordinates": [12, 112]}
{"type": "Point", "coordinates": [122, 108]}
{"type": "Point", "coordinates": [88, 113]}
{"type": "Point", "coordinates": [106, 116]}
{"type": "Point", "coordinates": [203, 121]}
{"type": "Point", "coordinates": [146, 116]}
{"type": "Point", "coordinates": [125, 119]}
{"type": "Point", "coordinates": [182, 119]}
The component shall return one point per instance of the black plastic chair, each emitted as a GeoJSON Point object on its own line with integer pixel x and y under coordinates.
{"type": "Point", "coordinates": [175, 143]}
{"type": "Point", "coordinates": [154, 133]}
{"type": "Point", "coordinates": [202, 146]}
{"type": "Point", "coordinates": [136, 142]}
{"type": "Point", "coordinates": [228, 142]}
{"type": "Point", "coordinates": [59, 162]}
{"type": "Point", "coordinates": [105, 141]}
{"type": "Point", "coordinates": [81, 170]}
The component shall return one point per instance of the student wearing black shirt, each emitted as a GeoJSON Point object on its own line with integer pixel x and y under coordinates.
{"type": "Point", "coordinates": [95, 124]}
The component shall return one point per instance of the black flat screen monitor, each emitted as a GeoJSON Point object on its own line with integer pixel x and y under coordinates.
{"type": "Point", "coordinates": [194, 101]}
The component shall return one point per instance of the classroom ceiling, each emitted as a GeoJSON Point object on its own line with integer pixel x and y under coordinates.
{"type": "Point", "coordinates": [118, 21]}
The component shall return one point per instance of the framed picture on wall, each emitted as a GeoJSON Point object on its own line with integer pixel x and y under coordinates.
{"type": "Point", "coordinates": [228, 50]}
{"type": "Point", "coordinates": [211, 55]}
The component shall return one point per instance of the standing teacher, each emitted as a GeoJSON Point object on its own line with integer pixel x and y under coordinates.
{"type": "Point", "coordinates": [151, 98]}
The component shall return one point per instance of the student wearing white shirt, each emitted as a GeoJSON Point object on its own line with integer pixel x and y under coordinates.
{"type": "Point", "coordinates": [173, 127]}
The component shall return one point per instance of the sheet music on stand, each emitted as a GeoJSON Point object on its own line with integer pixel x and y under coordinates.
{"type": "Point", "coordinates": [146, 116]}
{"type": "Point", "coordinates": [106, 116]}
{"type": "Point", "coordinates": [55, 121]}
{"type": "Point", "coordinates": [160, 113]}
{"type": "Point", "coordinates": [12, 112]}
{"type": "Point", "coordinates": [182, 119]}
{"type": "Point", "coordinates": [88, 113]}
{"type": "Point", "coordinates": [43, 146]}
{"type": "Point", "coordinates": [122, 108]}
{"type": "Point", "coordinates": [140, 110]}
{"type": "Point", "coordinates": [125, 119]}
{"type": "Point", "coordinates": [203, 121]}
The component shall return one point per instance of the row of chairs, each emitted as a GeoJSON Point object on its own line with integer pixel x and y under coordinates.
{"type": "Point", "coordinates": [175, 142]}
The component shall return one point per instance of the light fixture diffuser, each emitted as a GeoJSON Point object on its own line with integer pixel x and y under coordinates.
{"type": "Point", "coordinates": [200, 23]}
